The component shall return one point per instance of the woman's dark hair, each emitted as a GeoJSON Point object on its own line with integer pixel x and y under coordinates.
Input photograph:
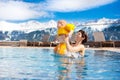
{"type": "Point", "coordinates": [84, 35]}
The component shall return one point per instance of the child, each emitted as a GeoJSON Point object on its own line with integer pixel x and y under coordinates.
{"type": "Point", "coordinates": [63, 29]}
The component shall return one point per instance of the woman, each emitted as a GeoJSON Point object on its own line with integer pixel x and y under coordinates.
{"type": "Point", "coordinates": [78, 49]}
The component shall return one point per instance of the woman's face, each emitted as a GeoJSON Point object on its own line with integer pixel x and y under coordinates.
{"type": "Point", "coordinates": [78, 36]}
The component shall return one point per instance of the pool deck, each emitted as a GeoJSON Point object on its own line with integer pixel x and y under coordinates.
{"type": "Point", "coordinates": [106, 48]}
{"type": "Point", "coordinates": [101, 48]}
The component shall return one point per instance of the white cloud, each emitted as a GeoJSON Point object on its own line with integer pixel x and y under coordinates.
{"type": "Point", "coordinates": [75, 5]}
{"type": "Point", "coordinates": [17, 10]}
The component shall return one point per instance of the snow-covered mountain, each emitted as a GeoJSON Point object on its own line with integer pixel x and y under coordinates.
{"type": "Point", "coordinates": [26, 26]}
{"type": "Point", "coordinates": [99, 25]}
{"type": "Point", "coordinates": [34, 30]}
{"type": "Point", "coordinates": [110, 27]}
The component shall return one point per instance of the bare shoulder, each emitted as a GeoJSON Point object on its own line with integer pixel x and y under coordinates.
{"type": "Point", "coordinates": [82, 49]}
{"type": "Point", "coordinates": [82, 46]}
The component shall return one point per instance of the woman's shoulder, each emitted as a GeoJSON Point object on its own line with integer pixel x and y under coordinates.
{"type": "Point", "coordinates": [81, 45]}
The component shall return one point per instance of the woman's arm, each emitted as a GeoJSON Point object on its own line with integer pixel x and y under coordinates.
{"type": "Point", "coordinates": [71, 48]}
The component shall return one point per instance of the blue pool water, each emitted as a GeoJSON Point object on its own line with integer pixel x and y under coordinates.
{"type": "Point", "coordinates": [42, 64]}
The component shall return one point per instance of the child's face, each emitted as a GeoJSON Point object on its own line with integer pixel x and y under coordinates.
{"type": "Point", "coordinates": [61, 23]}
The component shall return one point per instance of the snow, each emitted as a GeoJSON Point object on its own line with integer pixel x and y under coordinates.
{"type": "Point", "coordinates": [35, 25]}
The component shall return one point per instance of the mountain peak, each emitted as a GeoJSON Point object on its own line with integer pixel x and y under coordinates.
{"type": "Point", "coordinates": [36, 25]}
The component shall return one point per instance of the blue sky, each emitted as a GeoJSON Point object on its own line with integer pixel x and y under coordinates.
{"type": "Point", "coordinates": [70, 10]}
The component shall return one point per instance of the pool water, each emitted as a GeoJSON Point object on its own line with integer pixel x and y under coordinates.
{"type": "Point", "coordinates": [43, 64]}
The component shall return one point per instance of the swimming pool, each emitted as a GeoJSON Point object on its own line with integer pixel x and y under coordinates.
{"type": "Point", "coordinates": [42, 64]}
